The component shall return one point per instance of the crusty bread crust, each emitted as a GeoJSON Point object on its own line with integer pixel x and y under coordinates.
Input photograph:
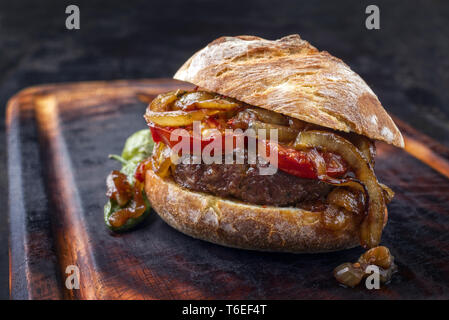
{"type": "Point", "coordinates": [240, 225]}
{"type": "Point", "coordinates": [291, 77]}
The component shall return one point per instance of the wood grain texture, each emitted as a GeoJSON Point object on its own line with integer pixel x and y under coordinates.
{"type": "Point", "coordinates": [59, 137]}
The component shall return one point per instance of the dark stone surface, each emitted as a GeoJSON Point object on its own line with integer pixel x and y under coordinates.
{"type": "Point", "coordinates": [406, 62]}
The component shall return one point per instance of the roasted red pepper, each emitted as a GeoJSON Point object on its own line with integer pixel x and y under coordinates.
{"type": "Point", "coordinates": [139, 175]}
{"type": "Point", "coordinates": [294, 162]}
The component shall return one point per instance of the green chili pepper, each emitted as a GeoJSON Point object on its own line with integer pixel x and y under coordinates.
{"type": "Point", "coordinates": [111, 206]}
{"type": "Point", "coordinates": [138, 147]}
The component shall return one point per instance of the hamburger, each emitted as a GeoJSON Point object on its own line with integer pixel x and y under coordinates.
{"type": "Point", "coordinates": [323, 194]}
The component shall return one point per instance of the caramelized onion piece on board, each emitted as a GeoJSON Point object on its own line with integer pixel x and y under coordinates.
{"type": "Point", "coordinates": [351, 274]}
{"type": "Point", "coordinates": [372, 225]}
{"type": "Point", "coordinates": [118, 188]}
{"type": "Point", "coordinates": [379, 256]}
{"type": "Point", "coordinates": [129, 198]}
{"type": "Point", "coordinates": [135, 209]}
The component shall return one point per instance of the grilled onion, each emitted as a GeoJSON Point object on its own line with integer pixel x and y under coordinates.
{"type": "Point", "coordinates": [218, 104]}
{"type": "Point", "coordinates": [388, 193]}
{"type": "Point", "coordinates": [268, 116]}
{"type": "Point", "coordinates": [320, 165]}
{"type": "Point", "coordinates": [362, 143]}
{"type": "Point", "coordinates": [372, 225]}
{"type": "Point", "coordinates": [161, 161]}
{"type": "Point", "coordinates": [300, 125]}
{"type": "Point", "coordinates": [347, 199]}
{"type": "Point", "coordinates": [285, 134]}
{"type": "Point", "coordinates": [177, 118]}
{"type": "Point", "coordinates": [135, 208]}
{"type": "Point", "coordinates": [204, 100]}
{"type": "Point", "coordinates": [257, 119]}
{"type": "Point", "coordinates": [187, 101]}
{"type": "Point", "coordinates": [164, 101]}
{"type": "Point", "coordinates": [119, 188]}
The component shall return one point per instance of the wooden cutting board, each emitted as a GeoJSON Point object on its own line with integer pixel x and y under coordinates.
{"type": "Point", "coordinates": [59, 138]}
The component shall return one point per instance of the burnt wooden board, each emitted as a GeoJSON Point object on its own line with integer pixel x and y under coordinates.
{"type": "Point", "coordinates": [59, 137]}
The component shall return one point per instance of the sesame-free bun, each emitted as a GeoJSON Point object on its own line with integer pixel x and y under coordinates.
{"type": "Point", "coordinates": [240, 225]}
{"type": "Point", "coordinates": [291, 77]}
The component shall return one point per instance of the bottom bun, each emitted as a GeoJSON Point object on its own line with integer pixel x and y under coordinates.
{"type": "Point", "coordinates": [236, 224]}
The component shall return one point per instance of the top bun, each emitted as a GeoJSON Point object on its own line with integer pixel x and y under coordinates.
{"type": "Point", "coordinates": [291, 77]}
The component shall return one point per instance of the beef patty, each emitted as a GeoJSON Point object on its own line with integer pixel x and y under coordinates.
{"type": "Point", "coordinates": [243, 182]}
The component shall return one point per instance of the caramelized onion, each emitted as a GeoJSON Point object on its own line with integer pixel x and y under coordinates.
{"type": "Point", "coordinates": [204, 100]}
{"type": "Point", "coordinates": [268, 116]}
{"type": "Point", "coordinates": [219, 104]}
{"type": "Point", "coordinates": [380, 256]}
{"type": "Point", "coordinates": [285, 134]}
{"type": "Point", "coordinates": [163, 101]}
{"type": "Point", "coordinates": [257, 119]}
{"type": "Point", "coordinates": [177, 118]}
{"type": "Point", "coordinates": [372, 225]}
{"type": "Point", "coordinates": [335, 218]}
{"type": "Point", "coordinates": [351, 274]}
{"type": "Point", "coordinates": [118, 188]}
{"type": "Point", "coordinates": [188, 100]}
{"type": "Point", "coordinates": [388, 193]}
{"type": "Point", "coordinates": [365, 145]}
{"type": "Point", "coordinates": [349, 200]}
{"type": "Point", "coordinates": [161, 162]}
{"type": "Point", "coordinates": [321, 171]}
{"type": "Point", "coordinates": [135, 209]}
{"type": "Point", "coordinates": [300, 125]}
{"type": "Point", "coordinates": [320, 164]}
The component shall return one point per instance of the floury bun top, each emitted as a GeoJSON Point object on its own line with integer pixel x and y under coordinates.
{"type": "Point", "coordinates": [292, 77]}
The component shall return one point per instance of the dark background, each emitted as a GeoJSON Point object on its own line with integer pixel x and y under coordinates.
{"type": "Point", "coordinates": [405, 62]}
